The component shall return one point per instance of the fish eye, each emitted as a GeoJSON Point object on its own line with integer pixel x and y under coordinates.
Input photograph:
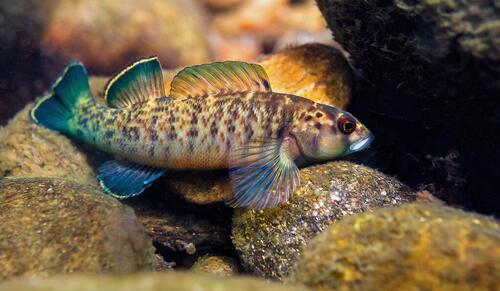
{"type": "Point", "coordinates": [346, 124]}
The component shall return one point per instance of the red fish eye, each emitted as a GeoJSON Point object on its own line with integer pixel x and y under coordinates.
{"type": "Point", "coordinates": [346, 124]}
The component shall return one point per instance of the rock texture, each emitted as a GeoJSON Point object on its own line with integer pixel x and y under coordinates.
{"type": "Point", "coordinates": [216, 265]}
{"type": "Point", "coordinates": [412, 247]}
{"type": "Point", "coordinates": [27, 149]}
{"type": "Point", "coordinates": [148, 282]}
{"type": "Point", "coordinates": [270, 241]}
{"type": "Point", "coordinates": [52, 226]}
{"type": "Point", "coordinates": [433, 74]}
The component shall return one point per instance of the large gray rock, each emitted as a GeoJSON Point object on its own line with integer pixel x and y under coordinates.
{"type": "Point", "coordinates": [270, 241]}
{"type": "Point", "coordinates": [52, 226]}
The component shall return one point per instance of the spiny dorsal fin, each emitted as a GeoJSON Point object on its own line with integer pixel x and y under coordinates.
{"type": "Point", "coordinates": [219, 77]}
{"type": "Point", "coordinates": [137, 83]}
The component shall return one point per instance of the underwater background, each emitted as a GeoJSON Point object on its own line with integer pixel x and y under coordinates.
{"type": "Point", "coordinates": [418, 209]}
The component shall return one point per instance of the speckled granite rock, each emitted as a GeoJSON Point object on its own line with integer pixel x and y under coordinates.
{"type": "Point", "coordinates": [216, 265]}
{"type": "Point", "coordinates": [430, 65]}
{"type": "Point", "coordinates": [30, 150]}
{"type": "Point", "coordinates": [147, 282]}
{"type": "Point", "coordinates": [270, 241]}
{"type": "Point", "coordinates": [52, 226]}
{"type": "Point", "coordinates": [412, 247]}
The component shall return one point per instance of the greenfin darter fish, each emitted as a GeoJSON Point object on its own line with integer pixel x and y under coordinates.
{"type": "Point", "coordinates": [218, 116]}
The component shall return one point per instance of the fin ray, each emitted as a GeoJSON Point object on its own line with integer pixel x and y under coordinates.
{"type": "Point", "coordinates": [137, 83]}
{"type": "Point", "coordinates": [263, 175]}
{"type": "Point", "coordinates": [210, 79]}
{"type": "Point", "coordinates": [126, 179]}
{"type": "Point", "coordinates": [56, 109]}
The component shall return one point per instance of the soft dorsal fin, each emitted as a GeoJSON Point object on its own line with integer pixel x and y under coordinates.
{"type": "Point", "coordinates": [137, 83]}
{"type": "Point", "coordinates": [219, 77]}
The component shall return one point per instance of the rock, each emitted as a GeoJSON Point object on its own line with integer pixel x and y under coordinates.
{"type": "Point", "coordinates": [27, 149]}
{"type": "Point", "coordinates": [175, 281]}
{"type": "Point", "coordinates": [412, 247]}
{"type": "Point", "coordinates": [163, 28]}
{"type": "Point", "coordinates": [216, 265]}
{"type": "Point", "coordinates": [266, 23]}
{"type": "Point", "coordinates": [270, 241]}
{"type": "Point", "coordinates": [315, 71]}
{"type": "Point", "coordinates": [52, 226]}
{"type": "Point", "coordinates": [430, 65]}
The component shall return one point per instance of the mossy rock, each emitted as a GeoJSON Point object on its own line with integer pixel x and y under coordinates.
{"type": "Point", "coordinates": [27, 149]}
{"type": "Point", "coordinates": [176, 281]}
{"type": "Point", "coordinates": [412, 247]}
{"type": "Point", "coordinates": [271, 240]}
{"type": "Point", "coordinates": [52, 226]}
{"type": "Point", "coordinates": [216, 265]}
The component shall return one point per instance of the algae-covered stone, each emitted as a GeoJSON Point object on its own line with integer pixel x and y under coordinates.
{"type": "Point", "coordinates": [216, 265]}
{"type": "Point", "coordinates": [52, 226]}
{"type": "Point", "coordinates": [177, 281]}
{"type": "Point", "coordinates": [270, 241]}
{"type": "Point", "coordinates": [27, 149]}
{"type": "Point", "coordinates": [412, 247]}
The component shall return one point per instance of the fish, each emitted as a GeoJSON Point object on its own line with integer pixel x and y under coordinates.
{"type": "Point", "coordinates": [222, 115]}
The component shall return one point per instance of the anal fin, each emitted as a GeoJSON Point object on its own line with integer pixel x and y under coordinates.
{"type": "Point", "coordinates": [126, 179]}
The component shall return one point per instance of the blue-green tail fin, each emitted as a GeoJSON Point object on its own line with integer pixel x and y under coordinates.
{"type": "Point", "coordinates": [56, 109]}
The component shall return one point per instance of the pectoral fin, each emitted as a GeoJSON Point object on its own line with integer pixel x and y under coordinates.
{"type": "Point", "coordinates": [263, 175]}
{"type": "Point", "coordinates": [126, 179]}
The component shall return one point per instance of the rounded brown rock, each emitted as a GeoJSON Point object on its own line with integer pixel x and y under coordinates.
{"type": "Point", "coordinates": [27, 149]}
{"type": "Point", "coordinates": [216, 265]}
{"type": "Point", "coordinates": [412, 247]}
{"type": "Point", "coordinates": [271, 240]}
{"type": "Point", "coordinates": [52, 226]}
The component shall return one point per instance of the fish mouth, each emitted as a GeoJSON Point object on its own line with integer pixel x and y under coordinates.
{"type": "Point", "coordinates": [361, 144]}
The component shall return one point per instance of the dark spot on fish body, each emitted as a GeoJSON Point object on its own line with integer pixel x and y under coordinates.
{"type": "Point", "coordinates": [192, 133]}
{"type": "Point", "coordinates": [317, 125]}
{"type": "Point", "coordinates": [135, 133]}
{"type": "Point", "coordinates": [194, 118]}
{"type": "Point", "coordinates": [231, 128]}
{"type": "Point", "coordinates": [248, 131]}
{"type": "Point", "coordinates": [108, 134]}
{"type": "Point", "coordinates": [153, 136]}
{"type": "Point", "coordinates": [319, 114]}
{"type": "Point", "coordinates": [214, 130]}
{"type": "Point", "coordinates": [151, 151]}
{"type": "Point", "coordinates": [172, 134]}
{"type": "Point", "coordinates": [308, 118]}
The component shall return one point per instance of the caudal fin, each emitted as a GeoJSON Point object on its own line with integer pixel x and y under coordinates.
{"type": "Point", "coordinates": [56, 109]}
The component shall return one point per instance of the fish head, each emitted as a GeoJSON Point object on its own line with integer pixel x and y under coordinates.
{"type": "Point", "coordinates": [325, 132]}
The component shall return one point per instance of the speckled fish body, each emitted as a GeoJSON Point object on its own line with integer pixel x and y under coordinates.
{"type": "Point", "coordinates": [217, 116]}
{"type": "Point", "coordinates": [197, 133]}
